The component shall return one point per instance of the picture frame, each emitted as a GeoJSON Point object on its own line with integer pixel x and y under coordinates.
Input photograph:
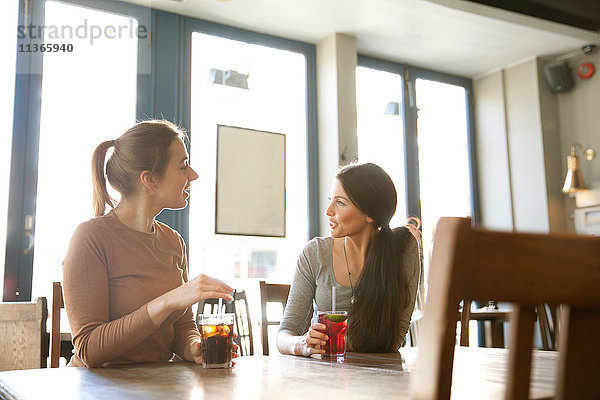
{"type": "Point", "coordinates": [250, 182]}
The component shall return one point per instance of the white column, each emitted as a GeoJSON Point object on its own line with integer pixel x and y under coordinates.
{"type": "Point", "coordinates": [336, 112]}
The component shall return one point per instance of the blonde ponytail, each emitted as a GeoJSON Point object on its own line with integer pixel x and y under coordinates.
{"type": "Point", "coordinates": [101, 197]}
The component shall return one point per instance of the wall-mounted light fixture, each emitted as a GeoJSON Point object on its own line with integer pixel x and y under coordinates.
{"type": "Point", "coordinates": [228, 78]}
{"type": "Point", "coordinates": [392, 108]}
{"type": "Point", "coordinates": [574, 180]}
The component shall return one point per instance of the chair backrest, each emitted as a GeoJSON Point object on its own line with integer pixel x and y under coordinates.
{"type": "Point", "coordinates": [57, 304]}
{"type": "Point", "coordinates": [546, 317]}
{"type": "Point", "coordinates": [414, 328]}
{"type": "Point", "coordinates": [243, 323]}
{"type": "Point", "coordinates": [22, 329]}
{"type": "Point", "coordinates": [525, 269]}
{"type": "Point", "coordinates": [270, 293]}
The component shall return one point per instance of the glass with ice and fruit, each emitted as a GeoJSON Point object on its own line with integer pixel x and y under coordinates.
{"type": "Point", "coordinates": [336, 326]}
{"type": "Point", "coordinates": [217, 340]}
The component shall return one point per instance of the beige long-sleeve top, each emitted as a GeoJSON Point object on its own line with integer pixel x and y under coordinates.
{"type": "Point", "coordinates": [111, 272]}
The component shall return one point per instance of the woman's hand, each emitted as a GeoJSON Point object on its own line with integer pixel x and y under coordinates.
{"type": "Point", "coordinates": [200, 288]}
{"type": "Point", "coordinates": [312, 342]}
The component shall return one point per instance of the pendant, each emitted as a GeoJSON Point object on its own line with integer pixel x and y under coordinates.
{"type": "Point", "coordinates": [352, 299]}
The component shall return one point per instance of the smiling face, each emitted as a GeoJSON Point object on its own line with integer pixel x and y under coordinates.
{"type": "Point", "coordinates": [345, 219]}
{"type": "Point", "coordinates": [172, 188]}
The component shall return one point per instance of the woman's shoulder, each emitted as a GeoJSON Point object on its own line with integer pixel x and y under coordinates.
{"type": "Point", "coordinates": [169, 234]}
{"type": "Point", "coordinates": [93, 233]}
{"type": "Point", "coordinates": [93, 226]}
{"type": "Point", "coordinates": [166, 230]}
{"type": "Point", "coordinates": [406, 237]}
{"type": "Point", "coordinates": [316, 253]}
{"type": "Point", "coordinates": [318, 245]}
{"type": "Point", "coordinates": [411, 253]}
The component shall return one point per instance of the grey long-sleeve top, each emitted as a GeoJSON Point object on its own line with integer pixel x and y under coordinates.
{"type": "Point", "coordinates": [314, 278]}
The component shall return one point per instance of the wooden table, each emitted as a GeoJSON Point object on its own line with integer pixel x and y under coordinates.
{"type": "Point", "coordinates": [479, 374]}
{"type": "Point", "coordinates": [494, 332]}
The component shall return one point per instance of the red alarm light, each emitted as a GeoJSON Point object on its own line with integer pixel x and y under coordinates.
{"type": "Point", "coordinates": [585, 70]}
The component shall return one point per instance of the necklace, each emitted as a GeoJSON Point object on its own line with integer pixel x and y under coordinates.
{"type": "Point", "coordinates": [349, 274]}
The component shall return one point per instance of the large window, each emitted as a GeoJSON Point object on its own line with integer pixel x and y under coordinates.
{"type": "Point", "coordinates": [422, 141]}
{"type": "Point", "coordinates": [270, 95]}
{"type": "Point", "coordinates": [67, 101]}
{"type": "Point", "coordinates": [77, 113]}
{"type": "Point", "coordinates": [380, 128]}
{"type": "Point", "coordinates": [444, 175]}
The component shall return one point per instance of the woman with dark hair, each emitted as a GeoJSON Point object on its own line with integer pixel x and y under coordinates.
{"type": "Point", "coordinates": [374, 268]}
{"type": "Point", "coordinates": [125, 281]}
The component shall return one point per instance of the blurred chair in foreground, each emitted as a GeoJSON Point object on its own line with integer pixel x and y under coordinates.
{"type": "Point", "coordinates": [526, 269]}
{"type": "Point", "coordinates": [23, 338]}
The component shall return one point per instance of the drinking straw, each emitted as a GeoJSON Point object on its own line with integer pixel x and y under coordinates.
{"type": "Point", "coordinates": [333, 298]}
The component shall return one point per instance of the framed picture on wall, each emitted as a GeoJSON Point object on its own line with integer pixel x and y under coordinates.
{"type": "Point", "coordinates": [250, 187]}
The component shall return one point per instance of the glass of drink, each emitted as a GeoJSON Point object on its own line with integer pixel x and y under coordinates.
{"type": "Point", "coordinates": [336, 326]}
{"type": "Point", "coordinates": [217, 340]}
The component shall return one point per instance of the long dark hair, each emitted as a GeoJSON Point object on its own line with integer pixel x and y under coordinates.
{"type": "Point", "coordinates": [381, 294]}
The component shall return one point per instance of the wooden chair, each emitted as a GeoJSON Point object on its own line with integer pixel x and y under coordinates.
{"type": "Point", "coordinates": [61, 344]}
{"type": "Point", "coordinates": [414, 328]}
{"type": "Point", "coordinates": [270, 293]}
{"type": "Point", "coordinates": [22, 329]}
{"type": "Point", "coordinates": [58, 303]}
{"type": "Point", "coordinates": [243, 323]}
{"type": "Point", "coordinates": [494, 329]}
{"type": "Point", "coordinates": [494, 333]}
{"type": "Point", "coordinates": [526, 269]}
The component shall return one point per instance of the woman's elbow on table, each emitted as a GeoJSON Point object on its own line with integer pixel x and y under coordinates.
{"type": "Point", "coordinates": [90, 359]}
{"type": "Point", "coordinates": [91, 356]}
{"type": "Point", "coordinates": [284, 342]}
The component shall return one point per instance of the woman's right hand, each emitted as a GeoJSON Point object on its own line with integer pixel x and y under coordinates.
{"type": "Point", "coordinates": [200, 288]}
{"type": "Point", "coordinates": [313, 341]}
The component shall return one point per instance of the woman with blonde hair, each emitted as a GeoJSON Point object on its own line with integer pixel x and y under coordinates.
{"type": "Point", "coordinates": [374, 268]}
{"type": "Point", "coordinates": [126, 287]}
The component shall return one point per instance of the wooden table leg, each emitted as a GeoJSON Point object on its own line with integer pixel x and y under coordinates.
{"type": "Point", "coordinates": [497, 333]}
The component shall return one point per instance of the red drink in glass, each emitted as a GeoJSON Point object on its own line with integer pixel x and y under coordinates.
{"type": "Point", "coordinates": [336, 326]}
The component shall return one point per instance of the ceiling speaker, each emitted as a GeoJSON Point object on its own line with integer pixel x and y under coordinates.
{"type": "Point", "coordinates": [558, 76]}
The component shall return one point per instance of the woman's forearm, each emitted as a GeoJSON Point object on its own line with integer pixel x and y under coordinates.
{"type": "Point", "coordinates": [288, 343]}
{"type": "Point", "coordinates": [160, 308]}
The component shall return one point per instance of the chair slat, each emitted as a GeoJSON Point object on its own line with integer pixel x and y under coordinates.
{"type": "Point", "coordinates": [579, 360]}
{"type": "Point", "coordinates": [57, 304]}
{"type": "Point", "coordinates": [519, 365]}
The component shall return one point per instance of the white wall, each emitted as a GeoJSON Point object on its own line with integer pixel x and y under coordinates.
{"type": "Point", "coordinates": [518, 146]}
{"type": "Point", "coordinates": [526, 148]}
{"type": "Point", "coordinates": [492, 152]}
